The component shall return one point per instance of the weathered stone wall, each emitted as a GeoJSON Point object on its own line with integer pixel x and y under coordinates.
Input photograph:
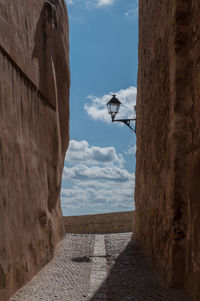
{"type": "Point", "coordinates": [34, 134]}
{"type": "Point", "coordinates": [117, 222]}
{"type": "Point", "coordinates": [167, 191]}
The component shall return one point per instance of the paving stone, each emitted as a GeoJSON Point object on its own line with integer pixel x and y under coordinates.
{"type": "Point", "coordinates": [108, 267]}
{"type": "Point", "coordinates": [98, 270]}
{"type": "Point", "coordinates": [131, 276]}
{"type": "Point", "coordinates": [66, 277]}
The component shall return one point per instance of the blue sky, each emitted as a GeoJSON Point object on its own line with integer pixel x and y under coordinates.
{"type": "Point", "coordinates": [99, 171]}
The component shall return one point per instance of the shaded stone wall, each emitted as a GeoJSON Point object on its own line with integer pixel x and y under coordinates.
{"type": "Point", "coordinates": [34, 135]}
{"type": "Point", "coordinates": [116, 222]}
{"type": "Point", "coordinates": [167, 192]}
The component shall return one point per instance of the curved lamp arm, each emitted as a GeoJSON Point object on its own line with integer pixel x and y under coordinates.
{"type": "Point", "coordinates": [126, 122]}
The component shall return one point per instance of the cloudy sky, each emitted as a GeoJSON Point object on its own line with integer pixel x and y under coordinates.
{"type": "Point", "coordinates": [99, 171]}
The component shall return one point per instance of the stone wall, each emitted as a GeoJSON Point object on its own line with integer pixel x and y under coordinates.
{"type": "Point", "coordinates": [117, 222]}
{"type": "Point", "coordinates": [167, 219]}
{"type": "Point", "coordinates": [34, 134]}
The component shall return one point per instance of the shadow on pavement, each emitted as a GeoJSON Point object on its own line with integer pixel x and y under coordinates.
{"type": "Point", "coordinates": [131, 277]}
{"type": "Point", "coordinates": [81, 259]}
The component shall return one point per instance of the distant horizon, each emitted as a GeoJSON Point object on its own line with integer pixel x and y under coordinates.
{"type": "Point", "coordinates": [100, 213]}
{"type": "Point", "coordinates": [99, 169]}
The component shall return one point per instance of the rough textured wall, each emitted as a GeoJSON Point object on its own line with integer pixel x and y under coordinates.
{"type": "Point", "coordinates": [116, 222]}
{"type": "Point", "coordinates": [34, 134]}
{"type": "Point", "coordinates": [167, 191]}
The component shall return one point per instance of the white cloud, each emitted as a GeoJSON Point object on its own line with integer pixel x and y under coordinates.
{"type": "Point", "coordinates": [97, 108]}
{"type": "Point", "coordinates": [69, 2]}
{"type": "Point", "coordinates": [131, 150]}
{"type": "Point", "coordinates": [131, 13]}
{"type": "Point", "coordinates": [91, 3]}
{"type": "Point", "coordinates": [80, 151]}
{"type": "Point", "coordinates": [98, 196]}
{"type": "Point", "coordinates": [95, 180]}
{"type": "Point", "coordinates": [105, 2]}
{"type": "Point", "coordinates": [107, 173]}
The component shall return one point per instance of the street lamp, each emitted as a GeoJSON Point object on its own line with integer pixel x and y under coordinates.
{"type": "Point", "coordinates": [113, 108]}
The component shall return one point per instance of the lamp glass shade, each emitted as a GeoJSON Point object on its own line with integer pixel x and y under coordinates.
{"type": "Point", "coordinates": [113, 106]}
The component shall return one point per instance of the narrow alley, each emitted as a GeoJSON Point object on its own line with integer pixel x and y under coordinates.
{"type": "Point", "coordinates": [97, 267]}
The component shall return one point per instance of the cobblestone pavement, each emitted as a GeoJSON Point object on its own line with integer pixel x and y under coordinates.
{"type": "Point", "coordinates": [98, 283]}
{"type": "Point", "coordinates": [66, 277]}
{"type": "Point", "coordinates": [129, 274]}
{"type": "Point", "coordinates": [98, 267]}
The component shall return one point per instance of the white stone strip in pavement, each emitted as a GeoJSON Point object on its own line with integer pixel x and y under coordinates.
{"type": "Point", "coordinates": [98, 288]}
